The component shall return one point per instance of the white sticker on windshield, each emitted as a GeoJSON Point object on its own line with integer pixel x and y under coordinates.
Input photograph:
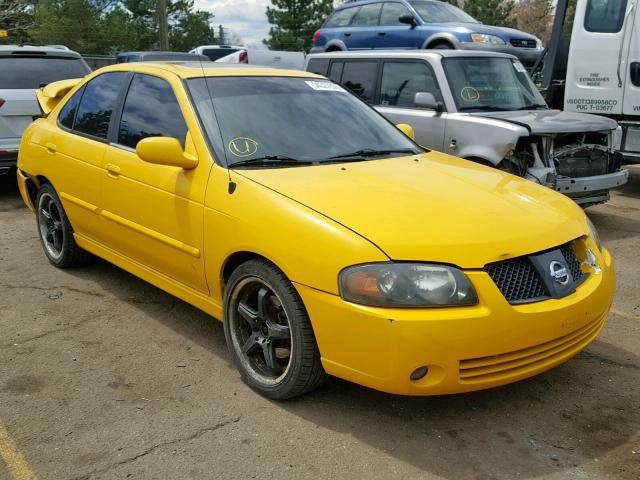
{"type": "Point", "coordinates": [325, 86]}
{"type": "Point", "coordinates": [519, 67]}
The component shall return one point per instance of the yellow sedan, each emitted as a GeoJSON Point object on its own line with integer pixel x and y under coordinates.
{"type": "Point", "coordinates": [327, 241]}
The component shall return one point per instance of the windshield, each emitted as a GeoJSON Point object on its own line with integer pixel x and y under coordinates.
{"type": "Point", "coordinates": [441, 12]}
{"type": "Point", "coordinates": [486, 83]}
{"type": "Point", "coordinates": [32, 72]}
{"type": "Point", "coordinates": [303, 119]}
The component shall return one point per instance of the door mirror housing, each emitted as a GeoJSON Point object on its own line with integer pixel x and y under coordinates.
{"type": "Point", "coordinates": [408, 19]}
{"type": "Point", "coordinates": [165, 151]}
{"type": "Point", "coordinates": [407, 130]}
{"type": "Point", "coordinates": [428, 100]}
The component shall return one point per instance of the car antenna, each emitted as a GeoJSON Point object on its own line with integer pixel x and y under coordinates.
{"type": "Point", "coordinates": [232, 184]}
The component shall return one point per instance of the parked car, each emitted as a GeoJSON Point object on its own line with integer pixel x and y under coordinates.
{"type": "Point", "coordinates": [266, 58]}
{"type": "Point", "coordinates": [154, 56]}
{"type": "Point", "coordinates": [23, 69]}
{"type": "Point", "coordinates": [418, 24]}
{"type": "Point", "coordinates": [214, 52]}
{"type": "Point", "coordinates": [483, 107]}
{"type": "Point", "coordinates": [326, 240]}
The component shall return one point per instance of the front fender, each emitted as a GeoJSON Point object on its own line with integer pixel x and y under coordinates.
{"type": "Point", "coordinates": [449, 37]}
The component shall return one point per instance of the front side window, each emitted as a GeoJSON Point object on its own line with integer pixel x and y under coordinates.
{"type": "Point", "coordinates": [300, 118]}
{"type": "Point", "coordinates": [98, 101]}
{"type": "Point", "coordinates": [402, 80]}
{"type": "Point", "coordinates": [367, 16]}
{"type": "Point", "coordinates": [605, 16]}
{"type": "Point", "coordinates": [441, 12]}
{"type": "Point", "coordinates": [360, 78]}
{"type": "Point", "coordinates": [391, 12]}
{"type": "Point", "coordinates": [341, 18]}
{"type": "Point", "coordinates": [150, 110]}
{"type": "Point", "coordinates": [490, 84]}
{"type": "Point", "coordinates": [68, 113]}
{"type": "Point", "coordinates": [18, 72]}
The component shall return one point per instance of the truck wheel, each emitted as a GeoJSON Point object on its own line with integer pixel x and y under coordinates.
{"type": "Point", "coordinates": [269, 333]}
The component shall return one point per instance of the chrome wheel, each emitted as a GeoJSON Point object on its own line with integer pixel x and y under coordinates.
{"type": "Point", "coordinates": [260, 330]}
{"type": "Point", "coordinates": [50, 226]}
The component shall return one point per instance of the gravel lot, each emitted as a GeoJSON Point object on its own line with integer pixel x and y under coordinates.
{"type": "Point", "coordinates": [104, 376]}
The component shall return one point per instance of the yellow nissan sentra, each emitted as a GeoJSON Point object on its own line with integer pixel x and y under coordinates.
{"type": "Point", "coordinates": [327, 241]}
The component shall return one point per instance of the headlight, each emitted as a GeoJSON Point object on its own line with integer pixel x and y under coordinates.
{"type": "Point", "coordinates": [538, 43]}
{"type": "Point", "coordinates": [406, 285]}
{"type": "Point", "coordinates": [484, 38]}
{"type": "Point", "coordinates": [594, 234]}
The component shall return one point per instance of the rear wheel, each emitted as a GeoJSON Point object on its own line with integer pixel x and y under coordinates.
{"type": "Point", "coordinates": [269, 333]}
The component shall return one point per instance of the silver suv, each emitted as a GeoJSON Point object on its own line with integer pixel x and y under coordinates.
{"type": "Point", "coordinates": [23, 69]}
{"type": "Point", "coordinates": [484, 107]}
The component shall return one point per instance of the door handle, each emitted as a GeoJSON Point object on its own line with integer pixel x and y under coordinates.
{"type": "Point", "coordinates": [51, 148]}
{"type": "Point", "coordinates": [112, 170]}
{"type": "Point", "coordinates": [634, 73]}
{"type": "Point", "coordinates": [382, 33]}
{"type": "Point", "coordinates": [347, 34]}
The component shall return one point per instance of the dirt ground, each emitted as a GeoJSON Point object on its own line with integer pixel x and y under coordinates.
{"type": "Point", "coordinates": [103, 376]}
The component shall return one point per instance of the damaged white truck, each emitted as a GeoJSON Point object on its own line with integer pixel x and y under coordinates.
{"type": "Point", "coordinates": [484, 107]}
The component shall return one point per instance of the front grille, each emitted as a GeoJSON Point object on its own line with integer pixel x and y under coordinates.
{"type": "Point", "coordinates": [527, 361]}
{"type": "Point", "coordinates": [583, 162]}
{"type": "Point", "coordinates": [523, 43]}
{"type": "Point", "coordinates": [520, 282]}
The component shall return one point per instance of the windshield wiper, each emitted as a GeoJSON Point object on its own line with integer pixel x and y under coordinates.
{"type": "Point", "coordinates": [533, 107]}
{"type": "Point", "coordinates": [270, 160]}
{"type": "Point", "coordinates": [365, 153]}
{"type": "Point", "coordinates": [485, 108]}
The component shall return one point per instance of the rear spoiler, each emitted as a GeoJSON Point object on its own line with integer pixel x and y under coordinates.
{"type": "Point", "coordinates": [50, 95]}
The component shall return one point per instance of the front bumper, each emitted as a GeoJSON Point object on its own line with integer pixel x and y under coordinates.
{"type": "Point", "coordinates": [589, 189]}
{"type": "Point", "coordinates": [528, 56]}
{"type": "Point", "coordinates": [381, 347]}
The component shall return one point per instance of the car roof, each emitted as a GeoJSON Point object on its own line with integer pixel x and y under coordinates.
{"type": "Point", "coordinates": [36, 51]}
{"type": "Point", "coordinates": [373, 54]}
{"type": "Point", "coordinates": [205, 69]}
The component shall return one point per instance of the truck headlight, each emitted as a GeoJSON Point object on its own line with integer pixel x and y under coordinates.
{"type": "Point", "coordinates": [406, 285]}
{"type": "Point", "coordinates": [485, 38]}
{"type": "Point", "coordinates": [593, 233]}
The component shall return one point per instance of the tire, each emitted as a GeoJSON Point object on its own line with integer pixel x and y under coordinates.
{"type": "Point", "coordinates": [55, 231]}
{"type": "Point", "coordinates": [441, 46]}
{"type": "Point", "coordinates": [269, 334]}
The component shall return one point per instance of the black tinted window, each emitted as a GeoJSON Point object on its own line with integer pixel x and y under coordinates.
{"type": "Point", "coordinates": [318, 65]}
{"type": "Point", "coordinates": [31, 72]}
{"type": "Point", "coordinates": [367, 15]}
{"type": "Point", "coordinates": [402, 80]}
{"type": "Point", "coordinates": [360, 78]}
{"type": "Point", "coordinates": [341, 18]}
{"type": "Point", "coordinates": [150, 110]}
{"type": "Point", "coordinates": [605, 16]}
{"type": "Point", "coordinates": [216, 53]}
{"type": "Point", "coordinates": [336, 71]}
{"type": "Point", "coordinates": [97, 104]}
{"type": "Point", "coordinates": [68, 112]}
{"type": "Point", "coordinates": [391, 12]}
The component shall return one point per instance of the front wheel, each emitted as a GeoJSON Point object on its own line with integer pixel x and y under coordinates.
{"type": "Point", "coordinates": [269, 333]}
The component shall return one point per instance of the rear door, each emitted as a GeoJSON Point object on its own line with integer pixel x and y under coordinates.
{"type": "Point", "coordinates": [363, 32]}
{"type": "Point", "coordinates": [631, 104]}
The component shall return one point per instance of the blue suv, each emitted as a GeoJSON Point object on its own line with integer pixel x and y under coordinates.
{"type": "Point", "coordinates": [417, 24]}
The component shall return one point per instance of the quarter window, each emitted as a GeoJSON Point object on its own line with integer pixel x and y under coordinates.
{"type": "Point", "coordinates": [68, 112]}
{"type": "Point", "coordinates": [150, 110]}
{"type": "Point", "coordinates": [97, 104]}
{"type": "Point", "coordinates": [391, 12]}
{"type": "Point", "coordinates": [605, 16]}
{"type": "Point", "coordinates": [341, 18]}
{"type": "Point", "coordinates": [336, 71]}
{"type": "Point", "coordinates": [402, 80]}
{"type": "Point", "coordinates": [359, 77]}
{"type": "Point", "coordinates": [318, 65]}
{"type": "Point", "coordinates": [367, 16]}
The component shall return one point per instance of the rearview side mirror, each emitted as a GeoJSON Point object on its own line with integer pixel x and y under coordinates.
{"type": "Point", "coordinates": [407, 130]}
{"type": "Point", "coordinates": [428, 100]}
{"type": "Point", "coordinates": [408, 19]}
{"type": "Point", "coordinates": [165, 151]}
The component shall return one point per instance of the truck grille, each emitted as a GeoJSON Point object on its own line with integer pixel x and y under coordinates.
{"type": "Point", "coordinates": [519, 281]}
{"type": "Point", "coordinates": [523, 43]}
{"type": "Point", "coordinates": [584, 162]}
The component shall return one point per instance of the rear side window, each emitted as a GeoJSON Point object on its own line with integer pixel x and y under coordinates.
{"type": "Point", "coordinates": [97, 104]}
{"type": "Point", "coordinates": [33, 72]}
{"type": "Point", "coordinates": [216, 53]}
{"type": "Point", "coordinates": [150, 110]}
{"type": "Point", "coordinates": [360, 78]}
{"type": "Point", "coordinates": [68, 112]}
{"type": "Point", "coordinates": [402, 80]}
{"type": "Point", "coordinates": [367, 16]}
{"type": "Point", "coordinates": [336, 71]}
{"type": "Point", "coordinates": [318, 65]}
{"type": "Point", "coordinates": [605, 16]}
{"type": "Point", "coordinates": [341, 18]}
{"type": "Point", "coordinates": [391, 12]}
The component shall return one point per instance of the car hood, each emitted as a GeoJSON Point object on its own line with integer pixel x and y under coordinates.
{"type": "Point", "coordinates": [500, 31]}
{"type": "Point", "coordinates": [432, 207]}
{"type": "Point", "coordinates": [553, 121]}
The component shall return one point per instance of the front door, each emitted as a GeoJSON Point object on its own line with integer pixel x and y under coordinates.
{"type": "Point", "coordinates": [632, 88]}
{"type": "Point", "coordinates": [155, 212]}
{"type": "Point", "coordinates": [394, 34]}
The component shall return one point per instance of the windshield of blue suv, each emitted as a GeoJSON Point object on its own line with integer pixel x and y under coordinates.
{"type": "Point", "coordinates": [491, 84]}
{"type": "Point", "coordinates": [441, 12]}
{"type": "Point", "coordinates": [288, 119]}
